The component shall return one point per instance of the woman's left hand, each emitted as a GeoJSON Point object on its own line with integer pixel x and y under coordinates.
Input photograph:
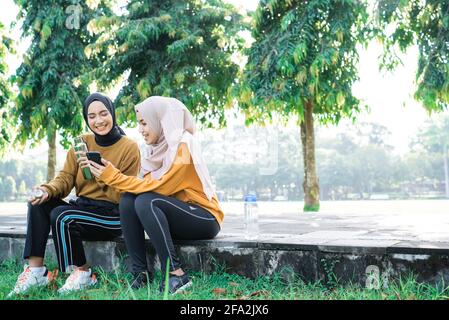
{"type": "Point", "coordinates": [97, 169]}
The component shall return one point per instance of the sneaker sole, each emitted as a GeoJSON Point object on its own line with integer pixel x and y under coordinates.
{"type": "Point", "coordinates": [188, 284]}
{"type": "Point", "coordinates": [37, 285]}
{"type": "Point", "coordinates": [91, 284]}
{"type": "Point", "coordinates": [94, 279]}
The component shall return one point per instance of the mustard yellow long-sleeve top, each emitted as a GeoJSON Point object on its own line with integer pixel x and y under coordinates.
{"type": "Point", "coordinates": [180, 181]}
{"type": "Point", "coordinates": [124, 154]}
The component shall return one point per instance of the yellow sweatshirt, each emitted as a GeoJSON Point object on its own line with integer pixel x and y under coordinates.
{"type": "Point", "coordinates": [124, 154]}
{"type": "Point", "coordinates": [180, 181]}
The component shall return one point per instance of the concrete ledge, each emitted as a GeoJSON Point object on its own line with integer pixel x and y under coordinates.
{"type": "Point", "coordinates": [347, 259]}
{"type": "Point", "coordinates": [347, 244]}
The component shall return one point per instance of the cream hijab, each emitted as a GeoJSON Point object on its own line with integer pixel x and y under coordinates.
{"type": "Point", "coordinates": [173, 123]}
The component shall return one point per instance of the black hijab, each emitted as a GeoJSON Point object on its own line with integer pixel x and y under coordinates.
{"type": "Point", "coordinates": [116, 132]}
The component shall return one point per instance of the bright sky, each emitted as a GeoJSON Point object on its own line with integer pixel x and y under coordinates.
{"type": "Point", "coordinates": [389, 95]}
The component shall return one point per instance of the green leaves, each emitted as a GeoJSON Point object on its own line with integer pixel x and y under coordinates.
{"type": "Point", "coordinates": [300, 52]}
{"type": "Point", "coordinates": [183, 45]}
{"type": "Point", "coordinates": [144, 89]}
{"type": "Point", "coordinates": [177, 48]}
{"type": "Point", "coordinates": [6, 126]}
{"type": "Point", "coordinates": [340, 99]}
{"type": "Point", "coordinates": [46, 32]}
{"type": "Point", "coordinates": [52, 79]}
{"type": "Point", "coordinates": [301, 76]}
{"type": "Point", "coordinates": [305, 52]}
{"type": "Point", "coordinates": [137, 38]}
{"type": "Point", "coordinates": [27, 92]}
{"type": "Point", "coordinates": [285, 67]}
{"type": "Point", "coordinates": [425, 24]}
{"type": "Point", "coordinates": [287, 20]}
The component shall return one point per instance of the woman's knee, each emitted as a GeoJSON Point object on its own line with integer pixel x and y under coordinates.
{"type": "Point", "coordinates": [55, 214]}
{"type": "Point", "coordinates": [126, 205]}
{"type": "Point", "coordinates": [34, 210]}
{"type": "Point", "coordinates": [143, 202]}
{"type": "Point", "coordinates": [30, 206]}
{"type": "Point", "coordinates": [127, 201]}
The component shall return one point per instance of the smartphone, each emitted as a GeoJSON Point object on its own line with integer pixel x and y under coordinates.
{"type": "Point", "coordinates": [94, 156]}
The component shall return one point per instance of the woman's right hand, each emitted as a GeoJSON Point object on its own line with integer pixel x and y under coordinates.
{"type": "Point", "coordinates": [38, 201]}
{"type": "Point", "coordinates": [81, 158]}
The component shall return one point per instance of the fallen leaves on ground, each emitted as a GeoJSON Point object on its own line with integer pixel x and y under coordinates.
{"type": "Point", "coordinates": [52, 280]}
{"type": "Point", "coordinates": [264, 293]}
{"type": "Point", "coordinates": [219, 291]}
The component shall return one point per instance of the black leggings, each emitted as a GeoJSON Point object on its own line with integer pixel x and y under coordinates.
{"type": "Point", "coordinates": [70, 225]}
{"type": "Point", "coordinates": [163, 218]}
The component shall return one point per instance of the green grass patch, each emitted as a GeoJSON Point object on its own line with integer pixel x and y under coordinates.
{"type": "Point", "coordinates": [220, 285]}
{"type": "Point", "coordinates": [311, 208]}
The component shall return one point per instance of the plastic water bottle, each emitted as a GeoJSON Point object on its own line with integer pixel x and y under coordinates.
{"type": "Point", "coordinates": [251, 217]}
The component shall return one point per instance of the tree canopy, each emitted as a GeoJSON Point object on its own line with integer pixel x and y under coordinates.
{"type": "Point", "coordinates": [6, 47]}
{"type": "Point", "coordinates": [50, 79]}
{"type": "Point", "coordinates": [303, 63]}
{"type": "Point", "coordinates": [304, 51]}
{"type": "Point", "coordinates": [181, 49]}
{"type": "Point", "coordinates": [403, 23]}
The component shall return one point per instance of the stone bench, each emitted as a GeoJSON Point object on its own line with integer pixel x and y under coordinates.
{"type": "Point", "coordinates": [310, 245]}
{"type": "Point", "coordinates": [350, 261]}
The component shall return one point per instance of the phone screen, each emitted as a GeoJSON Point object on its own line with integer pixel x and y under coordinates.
{"type": "Point", "coordinates": [94, 156]}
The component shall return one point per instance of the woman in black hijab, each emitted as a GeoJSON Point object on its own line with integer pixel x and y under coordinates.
{"type": "Point", "coordinates": [93, 216]}
{"type": "Point", "coordinates": [116, 132]}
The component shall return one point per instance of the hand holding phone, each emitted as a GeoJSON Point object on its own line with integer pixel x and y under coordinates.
{"type": "Point", "coordinates": [97, 164]}
{"type": "Point", "coordinates": [94, 156]}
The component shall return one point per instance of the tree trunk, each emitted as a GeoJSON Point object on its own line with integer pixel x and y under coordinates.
{"type": "Point", "coordinates": [51, 163]}
{"type": "Point", "coordinates": [446, 173]}
{"type": "Point", "coordinates": [310, 184]}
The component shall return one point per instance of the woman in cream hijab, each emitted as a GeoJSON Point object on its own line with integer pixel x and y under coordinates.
{"type": "Point", "coordinates": [174, 200]}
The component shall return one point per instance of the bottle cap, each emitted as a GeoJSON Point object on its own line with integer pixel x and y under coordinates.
{"type": "Point", "coordinates": [250, 198]}
{"type": "Point", "coordinates": [38, 193]}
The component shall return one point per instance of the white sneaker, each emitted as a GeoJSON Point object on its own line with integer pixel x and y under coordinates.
{"type": "Point", "coordinates": [31, 277]}
{"type": "Point", "coordinates": [78, 280]}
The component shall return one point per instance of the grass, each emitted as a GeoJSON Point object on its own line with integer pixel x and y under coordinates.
{"type": "Point", "coordinates": [220, 285]}
{"type": "Point", "coordinates": [311, 208]}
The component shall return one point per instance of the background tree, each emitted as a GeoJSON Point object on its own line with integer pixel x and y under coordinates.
{"type": "Point", "coordinates": [7, 188]}
{"type": "Point", "coordinates": [181, 49]}
{"type": "Point", "coordinates": [6, 47]}
{"type": "Point", "coordinates": [25, 174]}
{"type": "Point", "coordinates": [373, 133]}
{"type": "Point", "coordinates": [303, 63]}
{"type": "Point", "coordinates": [22, 190]}
{"type": "Point", "coordinates": [350, 166]}
{"type": "Point", "coordinates": [51, 78]}
{"type": "Point", "coordinates": [425, 24]}
{"type": "Point", "coordinates": [434, 138]}
{"type": "Point", "coordinates": [358, 160]}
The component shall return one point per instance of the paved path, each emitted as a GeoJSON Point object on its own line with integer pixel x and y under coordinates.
{"type": "Point", "coordinates": [376, 224]}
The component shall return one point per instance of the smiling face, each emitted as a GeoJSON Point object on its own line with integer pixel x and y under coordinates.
{"type": "Point", "coordinates": [99, 118]}
{"type": "Point", "coordinates": [148, 135]}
